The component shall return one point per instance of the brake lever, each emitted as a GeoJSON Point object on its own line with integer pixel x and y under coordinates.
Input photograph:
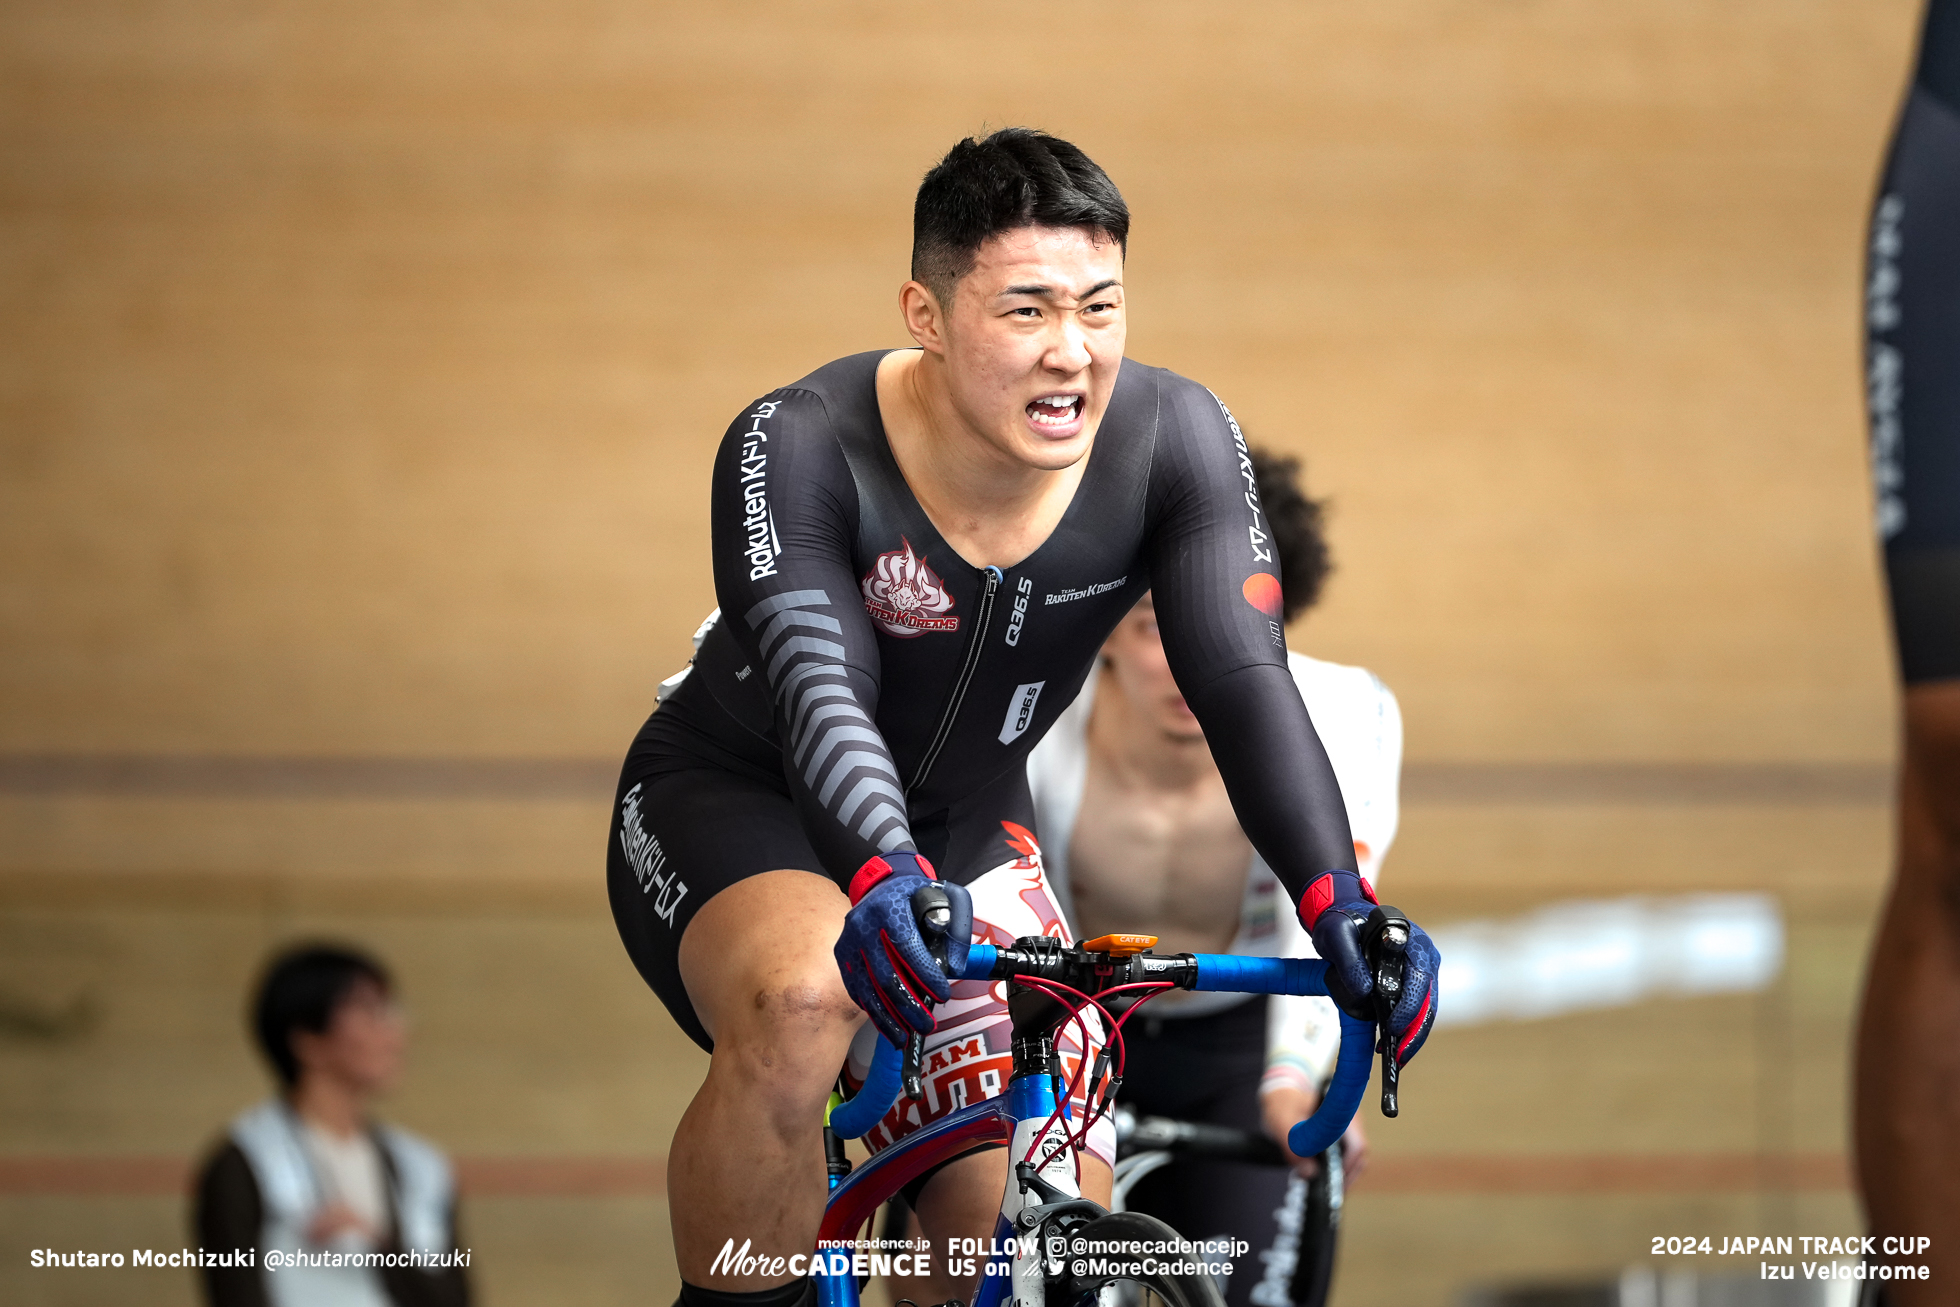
{"type": "Point", "coordinates": [934, 912]}
{"type": "Point", "coordinates": [1385, 941]}
{"type": "Point", "coordinates": [914, 1074]}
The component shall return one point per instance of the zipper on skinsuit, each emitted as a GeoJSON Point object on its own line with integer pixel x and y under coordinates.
{"type": "Point", "coordinates": [973, 647]}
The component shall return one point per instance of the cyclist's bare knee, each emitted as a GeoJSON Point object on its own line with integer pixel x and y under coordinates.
{"type": "Point", "coordinates": [805, 994]}
{"type": "Point", "coordinates": [759, 969]}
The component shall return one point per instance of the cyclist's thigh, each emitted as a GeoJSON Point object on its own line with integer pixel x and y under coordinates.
{"type": "Point", "coordinates": [680, 838]}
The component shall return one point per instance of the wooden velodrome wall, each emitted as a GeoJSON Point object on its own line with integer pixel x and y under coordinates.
{"type": "Point", "coordinates": [363, 364]}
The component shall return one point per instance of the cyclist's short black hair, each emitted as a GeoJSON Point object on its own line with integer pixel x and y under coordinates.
{"type": "Point", "coordinates": [1296, 524]}
{"type": "Point", "coordinates": [1017, 177]}
{"type": "Point", "coordinates": [300, 990]}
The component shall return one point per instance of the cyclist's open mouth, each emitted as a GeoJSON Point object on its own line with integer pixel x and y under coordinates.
{"type": "Point", "coordinates": [1056, 415]}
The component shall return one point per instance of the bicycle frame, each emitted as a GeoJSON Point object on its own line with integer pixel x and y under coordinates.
{"type": "Point", "coordinates": [1023, 1112]}
{"type": "Point", "coordinates": [1012, 1118]}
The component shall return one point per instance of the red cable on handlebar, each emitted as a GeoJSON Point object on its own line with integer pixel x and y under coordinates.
{"type": "Point", "coordinates": [1091, 1112]}
{"type": "Point", "coordinates": [1049, 987]}
{"type": "Point", "coordinates": [1155, 986]}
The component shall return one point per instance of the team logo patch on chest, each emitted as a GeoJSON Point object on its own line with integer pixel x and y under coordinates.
{"type": "Point", "coordinates": [905, 597]}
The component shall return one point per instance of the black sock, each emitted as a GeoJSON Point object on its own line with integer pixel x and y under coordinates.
{"type": "Point", "coordinates": [797, 1293]}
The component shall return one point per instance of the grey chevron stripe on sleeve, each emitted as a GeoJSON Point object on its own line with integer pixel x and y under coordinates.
{"type": "Point", "coordinates": [832, 741]}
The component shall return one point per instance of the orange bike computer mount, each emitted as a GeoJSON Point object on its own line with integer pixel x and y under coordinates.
{"type": "Point", "coordinates": [1120, 946]}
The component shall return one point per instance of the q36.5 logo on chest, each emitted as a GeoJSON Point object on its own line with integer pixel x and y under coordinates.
{"type": "Point", "coordinates": [1020, 711]}
{"type": "Point", "coordinates": [1020, 613]}
{"type": "Point", "coordinates": [905, 597]}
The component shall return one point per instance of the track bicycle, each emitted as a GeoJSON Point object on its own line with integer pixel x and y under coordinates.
{"type": "Point", "coordinates": [1044, 1220]}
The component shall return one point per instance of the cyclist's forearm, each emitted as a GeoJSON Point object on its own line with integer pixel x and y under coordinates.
{"type": "Point", "coordinates": [1282, 786]}
{"type": "Point", "coordinates": [1215, 580]}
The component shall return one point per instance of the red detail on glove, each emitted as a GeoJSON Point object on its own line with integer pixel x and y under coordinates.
{"type": "Point", "coordinates": [897, 1017]}
{"type": "Point", "coordinates": [1415, 1027]}
{"type": "Point", "coordinates": [910, 979]}
{"type": "Point", "coordinates": [868, 875]}
{"type": "Point", "coordinates": [875, 870]}
{"type": "Point", "coordinates": [1320, 897]}
{"type": "Point", "coordinates": [1368, 891]}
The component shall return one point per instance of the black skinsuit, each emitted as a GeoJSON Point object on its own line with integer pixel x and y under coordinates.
{"type": "Point", "coordinates": [1912, 357]}
{"type": "Point", "coordinates": [866, 690]}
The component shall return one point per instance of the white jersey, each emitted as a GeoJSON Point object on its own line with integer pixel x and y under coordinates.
{"type": "Point", "coordinates": [1360, 726]}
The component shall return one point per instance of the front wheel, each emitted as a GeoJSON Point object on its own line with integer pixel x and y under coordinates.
{"type": "Point", "coordinates": [1134, 1251]}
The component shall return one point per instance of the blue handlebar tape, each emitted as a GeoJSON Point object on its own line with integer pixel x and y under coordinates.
{"type": "Point", "coordinates": [980, 962]}
{"type": "Point", "coordinates": [850, 1119]}
{"type": "Point", "coordinates": [1237, 975]}
{"type": "Point", "coordinates": [1330, 1120]}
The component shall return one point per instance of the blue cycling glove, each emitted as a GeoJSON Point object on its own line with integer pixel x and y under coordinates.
{"type": "Point", "coordinates": [888, 964]}
{"type": "Point", "coordinates": [1334, 909]}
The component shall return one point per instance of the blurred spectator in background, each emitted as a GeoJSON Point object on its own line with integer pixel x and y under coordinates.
{"type": "Point", "coordinates": [310, 1171]}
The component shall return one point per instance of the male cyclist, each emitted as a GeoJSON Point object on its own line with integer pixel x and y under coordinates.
{"type": "Point", "coordinates": [918, 554]}
{"type": "Point", "coordinates": [1139, 834]}
{"type": "Point", "coordinates": [1908, 1091]}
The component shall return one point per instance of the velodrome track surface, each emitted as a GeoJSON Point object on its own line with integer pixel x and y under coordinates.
{"type": "Point", "coordinates": [361, 372]}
